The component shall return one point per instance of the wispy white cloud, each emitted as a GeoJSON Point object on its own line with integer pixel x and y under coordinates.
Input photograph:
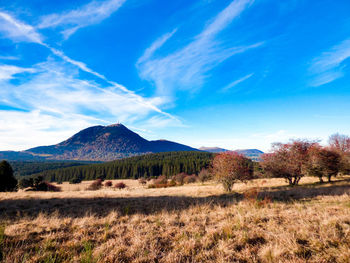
{"type": "Point", "coordinates": [87, 15]}
{"type": "Point", "coordinates": [155, 46]}
{"type": "Point", "coordinates": [17, 30]}
{"type": "Point", "coordinates": [225, 17]}
{"type": "Point", "coordinates": [9, 58]}
{"type": "Point", "coordinates": [330, 64]}
{"type": "Point", "coordinates": [187, 67]}
{"type": "Point", "coordinates": [82, 66]}
{"type": "Point", "coordinates": [138, 99]}
{"type": "Point", "coordinates": [236, 82]}
{"type": "Point", "coordinates": [8, 72]}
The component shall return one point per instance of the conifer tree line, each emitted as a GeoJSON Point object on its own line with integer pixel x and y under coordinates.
{"type": "Point", "coordinates": [145, 166]}
{"type": "Point", "coordinates": [27, 168]}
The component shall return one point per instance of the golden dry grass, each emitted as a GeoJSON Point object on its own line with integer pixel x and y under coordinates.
{"type": "Point", "coordinates": [262, 221]}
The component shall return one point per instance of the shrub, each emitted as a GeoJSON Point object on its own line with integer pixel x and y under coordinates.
{"type": "Point", "coordinates": [108, 183]}
{"type": "Point", "coordinates": [179, 178]}
{"type": "Point", "coordinates": [190, 179]}
{"type": "Point", "coordinates": [142, 181]}
{"type": "Point", "coordinates": [95, 185]}
{"type": "Point", "coordinates": [75, 180]}
{"type": "Point", "coordinates": [161, 180]}
{"type": "Point", "coordinates": [41, 187]}
{"type": "Point", "coordinates": [38, 184]}
{"type": "Point", "coordinates": [120, 185]}
{"type": "Point", "coordinates": [230, 167]}
{"type": "Point", "coordinates": [25, 183]}
{"type": "Point", "coordinates": [52, 188]}
{"type": "Point", "coordinates": [204, 175]}
{"type": "Point", "coordinates": [38, 180]}
{"type": "Point", "coordinates": [172, 183]}
{"type": "Point", "coordinates": [7, 181]}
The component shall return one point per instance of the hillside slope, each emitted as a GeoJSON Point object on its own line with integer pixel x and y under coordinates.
{"type": "Point", "coordinates": [105, 143]}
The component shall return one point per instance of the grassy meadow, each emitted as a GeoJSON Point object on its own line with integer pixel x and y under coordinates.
{"type": "Point", "coordinates": [263, 220]}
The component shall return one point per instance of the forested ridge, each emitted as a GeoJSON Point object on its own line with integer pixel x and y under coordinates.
{"type": "Point", "coordinates": [149, 165]}
{"type": "Point", "coordinates": [27, 168]}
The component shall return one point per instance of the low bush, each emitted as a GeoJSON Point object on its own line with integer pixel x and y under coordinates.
{"type": "Point", "coordinates": [179, 178]}
{"type": "Point", "coordinates": [120, 185]}
{"type": "Point", "coordinates": [25, 183]}
{"type": "Point", "coordinates": [108, 183]}
{"type": "Point", "coordinates": [95, 185]}
{"type": "Point", "coordinates": [75, 180]}
{"type": "Point", "coordinates": [204, 175]}
{"type": "Point", "coordinates": [52, 188]}
{"type": "Point", "coordinates": [172, 183]}
{"type": "Point", "coordinates": [160, 180]}
{"type": "Point", "coordinates": [37, 184]}
{"type": "Point", "coordinates": [142, 181]}
{"type": "Point", "coordinates": [190, 179]}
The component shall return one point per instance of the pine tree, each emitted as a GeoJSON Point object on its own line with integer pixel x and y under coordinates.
{"type": "Point", "coordinates": [7, 181]}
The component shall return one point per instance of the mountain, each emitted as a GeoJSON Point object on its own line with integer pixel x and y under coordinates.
{"type": "Point", "coordinates": [253, 154]}
{"type": "Point", "coordinates": [213, 149]}
{"type": "Point", "coordinates": [104, 143]}
{"type": "Point", "coordinates": [250, 153]}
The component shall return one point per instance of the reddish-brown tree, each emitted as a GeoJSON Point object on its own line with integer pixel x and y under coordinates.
{"type": "Point", "coordinates": [341, 144]}
{"type": "Point", "coordinates": [230, 167]}
{"type": "Point", "coordinates": [323, 162]}
{"type": "Point", "coordinates": [288, 161]}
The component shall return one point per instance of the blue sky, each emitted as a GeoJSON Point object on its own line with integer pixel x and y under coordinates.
{"type": "Point", "coordinates": [234, 74]}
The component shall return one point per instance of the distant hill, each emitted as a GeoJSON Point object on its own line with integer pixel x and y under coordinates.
{"type": "Point", "coordinates": [253, 154]}
{"type": "Point", "coordinates": [250, 153]}
{"type": "Point", "coordinates": [23, 156]}
{"type": "Point", "coordinates": [213, 149]}
{"type": "Point", "coordinates": [98, 143]}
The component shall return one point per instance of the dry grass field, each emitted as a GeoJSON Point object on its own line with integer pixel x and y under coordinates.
{"type": "Point", "coordinates": [261, 221]}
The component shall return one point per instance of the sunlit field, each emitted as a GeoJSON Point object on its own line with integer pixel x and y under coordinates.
{"type": "Point", "coordinates": [261, 221]}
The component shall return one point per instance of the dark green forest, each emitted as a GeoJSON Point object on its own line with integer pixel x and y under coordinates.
{"type": "Point", "coordinates": [27, 168]}
{"type": "Point", "coordinates": [149, 165]}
